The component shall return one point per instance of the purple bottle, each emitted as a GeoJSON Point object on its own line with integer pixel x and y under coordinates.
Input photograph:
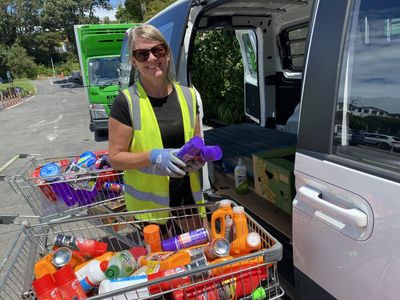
{"type": "Point", "coordinates": [186, 240]}
{"type": "Point", "coordinates": [191, 149]}
{"type": "Point", "coordinates": [211, 153]}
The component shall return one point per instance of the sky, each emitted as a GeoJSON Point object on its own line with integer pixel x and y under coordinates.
{"type": "Point", "coordinates": [101, 13]}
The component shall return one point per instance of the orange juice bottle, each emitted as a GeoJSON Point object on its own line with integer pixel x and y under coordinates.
{"type": "Point", "coordinates": [44, 266]}
{"type": "Point", "coordinates": [160, 261]}
{"type": "Point", "coordinates": [245, 244]}
{"type": "Point", "coordinates": [152, 238]}
{"type": "Point", "coordinates": [224, 210]}
{"type": "Point", "coordinates": [239, 222]}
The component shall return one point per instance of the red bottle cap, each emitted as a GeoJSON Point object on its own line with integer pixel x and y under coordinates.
{"type": "Point", "coordinates": [64, 275]}
{"type": "Point", "coordinates": [43, 284]}
{"type": "Point", "coordinates": [104, 265]}
{"type": "Point", "coordinates": [138, 251]}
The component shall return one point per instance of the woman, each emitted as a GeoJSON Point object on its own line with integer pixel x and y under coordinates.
{"type": "Point", "coordinates": [148, 123]}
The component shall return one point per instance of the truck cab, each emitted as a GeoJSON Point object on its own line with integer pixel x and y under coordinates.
{"type": "Point", "coordinates": [99, 47]}
{"type": "Point", "coordinates": [310, 68]}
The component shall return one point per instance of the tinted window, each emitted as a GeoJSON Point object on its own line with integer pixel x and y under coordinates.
{"type": "Point", "coordinates": [368, 102]}
{"type": "Point", "coordinates": [293, 45]}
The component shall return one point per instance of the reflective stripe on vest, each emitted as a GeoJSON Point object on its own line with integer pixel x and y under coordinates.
{"type": "Point", "coordinates": [148, 191]}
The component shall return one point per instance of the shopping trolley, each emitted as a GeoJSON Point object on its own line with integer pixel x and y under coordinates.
{"type": "Point", "coordinates": [36, 240]}
{"type": "Point", "coordinates": [65, 194]}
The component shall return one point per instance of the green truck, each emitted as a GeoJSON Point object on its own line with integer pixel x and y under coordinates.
{"type": "Point", "coordinates": [99, 47]}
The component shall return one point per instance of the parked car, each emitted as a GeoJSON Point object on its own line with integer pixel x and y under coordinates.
{"type": "Point", "coordinates": [382, 141]}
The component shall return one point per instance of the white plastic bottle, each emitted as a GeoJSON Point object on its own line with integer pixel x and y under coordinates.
{"type": "Point", "coordinates": [92, 274]}
{"type": "Point", "coordinates": [241, 183]}
{"type": "Point", "coordinates": [109, 285]}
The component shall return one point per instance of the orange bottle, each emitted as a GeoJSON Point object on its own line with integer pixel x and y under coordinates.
{"type": "Point", "coordinates": [229, 268]}
{"type": "Point", "coordinates": [219, 217]}
{"type": "Point", "coordinates": [245, 244]}
{"type": "Point", "coordinates": [44, 266]}
{"type": "Point", "coordinates": [160, 261]}
{"type": "Point", "coordinates": [239, 222]}
{"type": "Point", "coordinates": [152, 238]}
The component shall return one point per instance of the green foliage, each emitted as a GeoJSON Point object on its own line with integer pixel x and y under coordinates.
{"type": "Point", "coordinates": [155, 6]}
{"type": "Point", "coordinates": [16, 60]}
{"type": "Point", "coordinates": [43, 47]}
{"type": "Point", "coordinates": [217, 73]}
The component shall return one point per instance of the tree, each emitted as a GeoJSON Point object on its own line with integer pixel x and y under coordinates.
{"type": "Point", "coordinates": [155, 6]}
{"type": "Point", "coordinates": [134, 10]}
{"type": "Point", "coordinates": [61, 15]}
{"type": "Point", "coordinates": [121, 15]}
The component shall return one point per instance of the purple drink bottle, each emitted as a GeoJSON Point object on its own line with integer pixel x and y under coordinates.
{"type": "Point", "coordinates": [186, 240]}
{"type": "Point", "coordinates": [211, 153]}
{"type": "Point", "coordinates": [191, 149]}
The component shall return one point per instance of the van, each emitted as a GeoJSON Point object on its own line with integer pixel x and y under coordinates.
{"type": "Point", "coordinates": [319, 65]}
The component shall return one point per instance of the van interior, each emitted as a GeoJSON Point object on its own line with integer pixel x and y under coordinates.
{"type": "Point", "coordinates": [271, 38]}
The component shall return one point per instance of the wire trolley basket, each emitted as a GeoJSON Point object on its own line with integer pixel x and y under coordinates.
{"type": "Point", "coordinates": [235, 278]}
{"type": "Point", "coordinates": [73, 190]}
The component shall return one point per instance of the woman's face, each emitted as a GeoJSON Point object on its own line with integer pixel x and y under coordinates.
{"type": "Point", "coordinates": [153, 67]}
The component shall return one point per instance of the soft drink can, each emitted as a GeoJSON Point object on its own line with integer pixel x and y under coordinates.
{"type": "Point", "coordinates": [217, 248]}
{"type": "Point", "coordinates": [113, 187]}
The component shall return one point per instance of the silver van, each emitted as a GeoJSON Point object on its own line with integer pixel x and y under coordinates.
{"type": "Point", "coordinates": [318, 65]}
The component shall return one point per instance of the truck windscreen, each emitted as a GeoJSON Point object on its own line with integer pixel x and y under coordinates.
{"type": "Point", "coordinates": [103, 71]}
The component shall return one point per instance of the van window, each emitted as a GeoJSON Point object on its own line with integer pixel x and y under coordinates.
{"type": "Point", "coordinates": [368, 101]}
{"type": "Point", "coordinates": [293, 42]}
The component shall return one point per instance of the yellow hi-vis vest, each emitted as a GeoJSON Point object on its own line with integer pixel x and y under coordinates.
{"type": "Point", "coordinates": [145, 191]}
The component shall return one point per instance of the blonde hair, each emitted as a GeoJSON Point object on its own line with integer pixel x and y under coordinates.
{"type": "Point", "coordinates": [151, 33]}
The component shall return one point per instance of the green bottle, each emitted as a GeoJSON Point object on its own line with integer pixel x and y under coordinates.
{"type": "Point", "coordinates": [241, 182]}
{"type": "Point", "coordinates": [257, 294]}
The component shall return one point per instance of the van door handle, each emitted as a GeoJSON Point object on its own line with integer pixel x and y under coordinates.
{"type": "Point", "coordinates": [351, 216]}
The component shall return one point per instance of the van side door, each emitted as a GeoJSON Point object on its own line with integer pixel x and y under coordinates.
{"type": "Point", "coordinates": [346, 211]}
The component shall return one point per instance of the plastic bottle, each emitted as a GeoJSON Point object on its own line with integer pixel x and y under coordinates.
{"type": "Point", "coordinates": [85, 247]}
{"type": "Point", "coordinates": [92, 274]}
{"type": "Point", "coordinates": [152, 238]}
{"type": "Point", "coordinates": [160, 261]}
{"type": "Point", "coordinates": [258, 294]}
{"type": "Point", "coordinates": [186, 240]}
{"type": "Point", "coordinates": [226, 288]}
{"type": "Point", "coordinates": [218, 217]}
{"type": "Point", "coordinates": [240, 227]}
{"type": "Point", "coordinates": [44, 266]}
{"type": "Point", "coordinates": [121, 264]}
{"type": "Point", "coordinates": [102, 258]}
{"type": "Point", "coordinates": [228, 227]}
{"type": "Point", "coordinates": [190, 149]}
{"type": "Point", "coordinates": [241, 183]}
{"type": "Point", "coordinates": [46, 288]}
{"type": "Point", "coordinates": [211, 153]}
{"type": "Point", "coordinates": [109, 285]}
{"type": "Point", "coordinates": [233, 267]}
{"type": "Point", "coordinates": [246, 244]}
{"type": "Point", "coordinates": [68, 284]}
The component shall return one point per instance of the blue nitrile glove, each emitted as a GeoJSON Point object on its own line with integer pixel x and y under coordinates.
{"type": "Point", "coordinates": [165, 163]}
{"type": "Point", "coordinates": [194, 165]}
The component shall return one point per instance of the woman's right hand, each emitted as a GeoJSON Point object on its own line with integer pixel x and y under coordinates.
{"type": "Point", "coordinates": [165, 163]}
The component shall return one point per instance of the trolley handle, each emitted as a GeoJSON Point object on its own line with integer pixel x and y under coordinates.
{"type": "Point", "coordinates": [11, 219]}
{"type": "Point", "coordinates": [10, 163]}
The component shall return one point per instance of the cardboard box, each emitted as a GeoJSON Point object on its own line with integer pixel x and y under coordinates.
{"type": "Point", "coordinates": [274, 179]}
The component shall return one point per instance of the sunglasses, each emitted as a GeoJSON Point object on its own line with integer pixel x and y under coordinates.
{"type": "Point", "coordinates": [141, 55]}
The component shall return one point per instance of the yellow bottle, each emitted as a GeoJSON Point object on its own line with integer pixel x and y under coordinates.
{"type": "Point", "coordinates": [218, 216]}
